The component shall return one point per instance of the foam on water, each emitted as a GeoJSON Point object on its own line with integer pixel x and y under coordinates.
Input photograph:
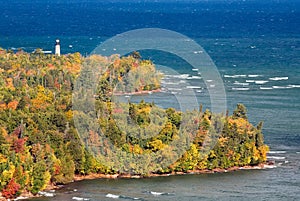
{"type": "Point", "coordinates": [277, 152]}
{"type": "Point", "coordinates": [156, 193]}
{"type": "Point", "coordinates": [266, 88]}
{"type": "Point", "coordinates": [278, 78]}
{"type": "Point", "coordinates": [235, 76]}
{"type": "Point", "coordinates": [276, 157]}
{"type": "Point", "coordinates": [250, 81]}
{"type": "Point", "coordinates": [240, 89]}
{"type": "Point", "coordinates": [240, 83]}
{"type": "Point", "coordinates": [252, 76]}
{"type": "Point", "coordinates": [282, 87]}
{"type": "Point", "coordinates": [261, 82]}
{"type": "Point", "coordinates": [79, 198]}
{"type": "Point", "coordinates": [21, 198]}
{"type": "Point", "coordinates": [46, 194]}
{"type": "Point", "coordinates": [193, 87]}
{"type": "Point", "coordinates": [109, 195]}
{"type": "Point", "coordinates": [294, 86]}
{"type": "Point", "coordinates": [194, 78]}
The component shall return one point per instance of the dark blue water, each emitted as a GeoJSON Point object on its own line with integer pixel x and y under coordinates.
{"type": "Point", "coordinates": [256, 47]}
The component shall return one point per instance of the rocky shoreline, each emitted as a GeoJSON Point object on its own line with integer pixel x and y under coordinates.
{"type": "Point", "coordinates": [49, 191]}
{"type": "Point", "coordinates": [267, 165]}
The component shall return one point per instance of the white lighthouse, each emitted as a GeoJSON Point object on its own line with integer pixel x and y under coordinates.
{"type": "Point", "coordinates": [57, 47]}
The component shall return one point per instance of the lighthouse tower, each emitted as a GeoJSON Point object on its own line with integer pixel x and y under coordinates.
{"type": "Point", "coordinates": [57, 47]}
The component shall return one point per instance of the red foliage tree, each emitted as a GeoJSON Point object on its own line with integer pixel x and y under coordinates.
{"type": "Point", "coordinates": [11, 189]}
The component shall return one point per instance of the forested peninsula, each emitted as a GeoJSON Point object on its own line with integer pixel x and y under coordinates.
{"type": "Point", "coordinates": [40, 145]}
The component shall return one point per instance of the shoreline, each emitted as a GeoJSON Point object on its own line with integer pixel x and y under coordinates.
{"type": "Point", "coordinates": [137, 92]}
{"type": "Point", "coordinates": [50, 189]}
{"type": "Point", "coordinates": [262, 166]}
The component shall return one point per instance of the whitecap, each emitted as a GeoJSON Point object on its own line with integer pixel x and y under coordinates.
{"type": "Point", "coordinates": [21, 198]}
{"type": "Point", "coordinates": [252, 76]}
{"type": "Point", "coordinates": [240, 83]}
{"type": "Point", "coordinates": [79, 198]}
{"type": "Point", "coordinates": [250, 81]}
{"type": "Point", "coordinates": [174, 89]}
{"type": "Point", "coordinates": [240, 89]}
{"type": "Point", "coordinates": [234, 76]}
{"type": "Point", "coordinates": [276, 157]}
{"type": "Point", "coordinates": [109, 195]}
{"type": "Point", "coordinates": [182, 76]}
{"type": "Point", "coordinates": [266, 88]}
{"type": "Point", "coordinates": [46, 194]}
{"type": "Point", "coordinates": [294, 86]}
{"type": "Point", "coordinates": [194, 69]}
{"type": "Point", "coordinates": [156, 193]}
{"type": "Point", "coordinates": [212, 86]}
{"type": "Point", "coordinates": [194, 78]}
{"type": "Point", "coordinates": [269, 166]}
{"type": "Point", "coordinates": [281, 87]}
{"type": "Point", "coordinates": [193, 87]}
{"type": "Point", "coordinates": [170, 83]}
{"type": "Point", "coordinates": [209, 80]}
{"type": "Point", "coordinates": [228, 76]}
{"type": "Point", "coordinates": [261, 82]}
{"type": "Point", "coordinates": [198, 52]}
{"type": "Point", "coordinates": [278, 78]}
{"type": "Point", "coordinates": [277, 152]}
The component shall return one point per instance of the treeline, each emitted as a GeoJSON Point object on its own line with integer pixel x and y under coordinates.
{"type": "Point", "coordinates": [39, 140]}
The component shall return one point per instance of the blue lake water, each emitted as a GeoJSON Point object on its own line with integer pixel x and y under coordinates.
{"type": "Point", "coordinates": [256, 47]}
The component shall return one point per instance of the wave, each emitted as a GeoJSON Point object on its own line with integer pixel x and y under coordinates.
{"type": "Point", "coordinates": [46, 194]}
{"type": "Point", "coordinates": [170, 83]}
{"type": "Point", "coordinates": [156, 193]}
{"type": "Point", "coordinates": [194, 78]}
{"type": "Point", "coordinates": [234, 76]}
{"type": "Point", "coordinates": [294, 86]}
{"type": "Point", "coordinates": [298, 152]}
{"type": "Point", "coordinates": [282, 87]}
{"type": "Point", "coordinates": [193, 87]}
{"type": "Point", "coordinates": [250, 81]}
{"type": "Point", "coordinates": [79, 198]}
{"type": "Point", "coordinates": [278, 78]}
{"type": "Point", "coordinates": [182, 76]}
{"type": "Point", "coordinates": [174, 89]}
{"type": "Point", "coordinates": [159, 193]}
{"type": "Point", "coordinates": [277, 152]}
{"type": "Point", "coordinates": [266, 88]}
{"type": "Point", "coordinates": [21, 198]}
{"type": "Point", "coordinates": [254, 76]}
{"type": "Point", "coordinates": [261, 82]}
{"type": "Point", "coordinates": [109, 195]}
{"type": "Point", "coordinates": [276, 157]}
{"type": "Point", "coordinates": [113, 196]}
{"type": "Point", "coordinates": [240, 83]}
{"type": "Point", "coordinates": [269, 166]}
{"type": "Point", "coordinates": [194, 69]}
{"type": "Point", "coordinates": [240, 89]}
